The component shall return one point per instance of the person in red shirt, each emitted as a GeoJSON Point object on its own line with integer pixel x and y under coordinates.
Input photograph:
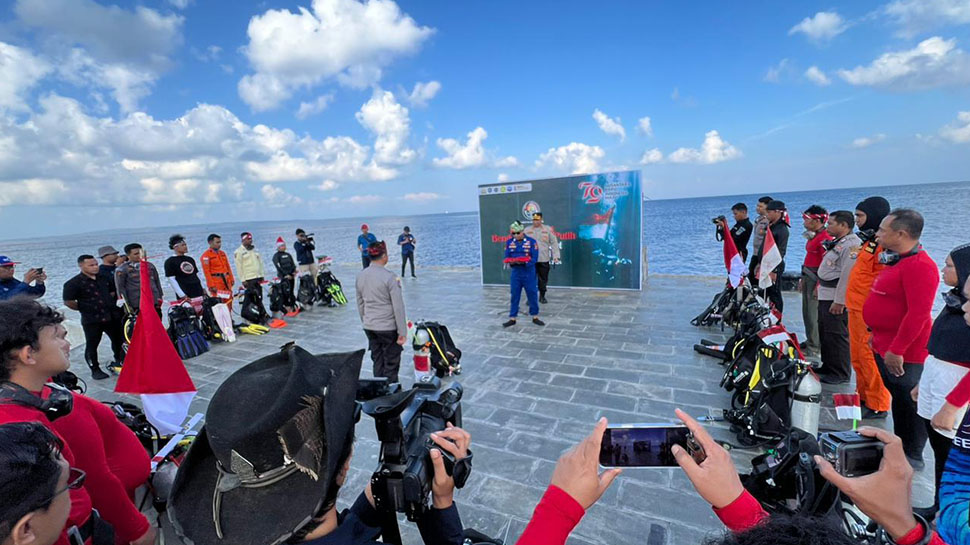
{"type": "Point", "coordinates": [814, 219]}
{"type": "Point", "coordinates": [884, 496]}
{"type": "Point", "coordinates": [34, 347]}
{"type": "Point", "coordinates": [898, 314]}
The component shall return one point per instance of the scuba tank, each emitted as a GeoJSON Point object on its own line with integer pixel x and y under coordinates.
{"type": "Point", "coordinates": [806, 401]}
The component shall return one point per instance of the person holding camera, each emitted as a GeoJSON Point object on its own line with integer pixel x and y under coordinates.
{"type": "Point", "coordinates": [304, 247]}
{"type": "Point", "coordinates": [407, 241]}
{"type": "Point", "coordinates": [741, 232]}
{"type": "Point", "coordinates": [833, 280]}
{"type": "Point", "coordinates": [31, 286]}
{"type": "Point", "coordinates": [380, 304]}
{"type": "Point", "coordinates": [898, 314]}
{"type": "Point", "coordinates": [277, 443]}
{"type": "Point", "coordinates": [814, 219]}
{"type": "Point", "coordinates": [884, 496]}
{"type": "Point", "coordinates": [758, 238]}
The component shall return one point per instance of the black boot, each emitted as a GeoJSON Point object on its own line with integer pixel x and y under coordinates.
{"type": "Point", "coordinates": [542, 298]}
{"type": "Point", "coordinates": [96, 372]}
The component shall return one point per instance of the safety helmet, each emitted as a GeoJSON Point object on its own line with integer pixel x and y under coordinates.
{"type": "Point", "coordinates": [516, 227]}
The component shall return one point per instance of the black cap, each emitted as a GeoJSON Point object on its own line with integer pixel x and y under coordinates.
{"type": "Point", "coordinates": [776, 205]}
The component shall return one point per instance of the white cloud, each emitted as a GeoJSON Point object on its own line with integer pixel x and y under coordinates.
{"type": "Point", "coordinates": [422, 197]}
{"type": "Point", "coordinates": [471, 154]}
{"type": "Point", "coordinates": [30, 192]}
{"type": "Point", "coordinates": [210, 54]}
{"type": "Point", "coordinates": [575, 158]}
{"type": "Point", "coordinates": [609, 125]}
{"type": "Point", "coordinates": [915, 16]}
{"type": "Point", "coordinates": [326, 185]}
{"type": "Point", "coordinates": [128, 84]}
{"type": "Point", "coordinates": [866, 141]}
{"type": "Point", "coordinates": [20, 70]}
{"type": "Point", "coordinates": [318, 105]}
{"type": "Point", "coordinates": [365, 199]}
{"type": "Point", "coordinates": [277, 197]}
{"type": "Point", "coordinates": [346, 40]}
{"type": "Point", "coordinates": [713, 150]}
{"type": "Point", "coordinates": [423, 92]}
{"type": "Point", "coordinates": [180, 4]}
{"type": "Point", "coordinates": [187, 168]}
{"type": "Point", "coordinates": [935, 62]}
{"type": "Point", "coordinates": [383, 116]}
{"type": "Point", "coordinates": [644, 126]}
{"type": "Point", "coordinates": [959, 131]}
{"type": "Point", "coordinates": [816, 76]}
{"type": "Point", "coordinates": [774, 74]}
{"type": "Point", "coordinates": [651, 156]}
{"type": "Point", "coordinates": [823, 26]}
{"type": "Point", "coordinates": [503, 177]}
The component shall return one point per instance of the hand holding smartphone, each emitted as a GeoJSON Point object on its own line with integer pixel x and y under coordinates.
{"type": "Point", "coordinates": [646, 445]}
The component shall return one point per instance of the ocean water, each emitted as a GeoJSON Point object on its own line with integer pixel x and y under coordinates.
{"type": "Point", "coordinates": [677, 233]}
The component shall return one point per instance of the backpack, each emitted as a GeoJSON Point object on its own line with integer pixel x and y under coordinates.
{"type": "Point", "coordinates": [135, 420]}
{"type": "Point", "coordinates": [307, 293]}
{"type": "Point", "coordinates": [210, 326]}
{"type": "Point", "coordinates": [185, 332]}
{"type": "Point", "coordinates": [713, 313]}
{"type": "Point", "coordinates": [275, 297]}
{"type": "Point", "coordinates": [445, 356]}
{"type": "Point", "coordinates": [252, 309]}
{"type": "Point", "coordinates": [329, 289]}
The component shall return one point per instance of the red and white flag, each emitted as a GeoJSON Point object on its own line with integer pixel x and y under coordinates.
{"type": "Point", "coordinates": [847, 406]}
{"type": "Point", "coordinates": [732, 258]}
{"type": "Point", "coordinates": [153, 368]}
{"type": "Point", "coordinates": [770, 258]}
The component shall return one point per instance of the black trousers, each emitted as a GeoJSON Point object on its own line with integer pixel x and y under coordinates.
{"type": "Point", "coordinates": [92, 339]}
{"type": "Point", "coordinates": [752, 269]}
{"type": "Point", "coordinates": [542, 271]}
{"type": "Point", "coordinates": [833, 334]}
{"type": "Point", "coordinates": [404, 260]}
{"type": "Point", "coordinates": [941, 450]}
{"type": "Point", "coordinates": [364, 261]}
{"type": "Point", "coordinates": [773, 293]}
{"type": "Point", "coordinates": [907, 424]}
{"type": "Point", "coordinates": [385, 353]}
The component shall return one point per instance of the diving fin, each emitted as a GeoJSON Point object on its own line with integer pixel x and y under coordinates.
{"type": "Point", "coordinates": [259, 327]}
{"type": "Point", "coordinates": [276, 323]}
{"type": "Point", "coordinates": [250, 330]}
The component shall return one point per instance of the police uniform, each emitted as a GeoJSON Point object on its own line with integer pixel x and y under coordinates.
{"type": "Point", "coordinates": [833, 329]}
{"type": "Point", "coordinates": [521, 255]}
{"type": "Point", "coordinates": [548, 246]}
{"type": "Point", "coordinates": [381, 307]}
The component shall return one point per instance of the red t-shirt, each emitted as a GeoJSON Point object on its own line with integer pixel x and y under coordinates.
{"type": "Point", "coordinates": [898, 310]}
{"type": "Point", "coordinates": [814, 252]}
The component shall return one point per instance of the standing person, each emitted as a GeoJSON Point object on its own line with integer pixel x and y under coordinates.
{"type": "Point", "coordinates": [760, 226]}
{"type": "Point", "coordinates": [380, 304]}
{"type": "Point", "coordinates": [944, 387]}
{"type": "Point", "coordinates": [304, 247]}
{"type": "Point", "coordinates": [521, 253]}
{"type": "Point", "coordinates": [91, 294]}
{"type": "Point", "coordinates": [833, 281]}
{"type": "Point", "coordinates": [813, 219]}
{"type": "Point", "coordinates": [218, 272]}
{"type": "Point", "coordinates": [898, 313]}
{"type": "Point", "coordinates": [364, 240]}
{"type": "Point", "coordinates": [286, 271]}
{"type": "Point", "coordinates": [183, 274]}
{"type": "Point", "coordinates": [10, 287]}
{"type": "Point", "coordinates": [407, 241]}
{"type": "Point", "coordinates": [777, 215]}
{"type": "Point", "coordinates": [109, 262]}
{"type": "Point", "coordinates": [249, 264]}
{"type": "Point", "coordinates": [741, 232]}
{"type": "Point", "coordinates": [128, 279]}
{"type": "Point", "coordinates": [872, 392]}
{"type": "Point", "coordinates": [548, 247]}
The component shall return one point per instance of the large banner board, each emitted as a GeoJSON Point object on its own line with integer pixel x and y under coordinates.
{"type": "Point", "coordinates": [596, 217]}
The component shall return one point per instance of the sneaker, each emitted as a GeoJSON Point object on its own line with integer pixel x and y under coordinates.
{"type": "Point", "coordinates": [509, 323]}
{"type": "Point", "coordinates": [537, 321]}
{"type": "Point", "coordinates": [870, 414]}
{"type": "Point", "coordinates": [97, 373]}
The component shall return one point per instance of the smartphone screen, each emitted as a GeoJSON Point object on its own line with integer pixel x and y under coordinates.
{"type": "Point", "coordinates": [643, 445]}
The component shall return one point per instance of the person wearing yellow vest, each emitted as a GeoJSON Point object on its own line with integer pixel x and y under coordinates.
{"type": "Point", "coordinates": [249, 264]}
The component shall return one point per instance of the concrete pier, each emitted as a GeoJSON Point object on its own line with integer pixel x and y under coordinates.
{"type": "Point", "coordinates": [532, 392]}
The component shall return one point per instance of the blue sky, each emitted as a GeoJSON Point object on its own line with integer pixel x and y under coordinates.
{"type": "Point", "coordinates": [185, 111]}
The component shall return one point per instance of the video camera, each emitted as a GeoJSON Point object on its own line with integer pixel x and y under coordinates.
{"type": "Point", "coordinates": [718, 220]}
{"type": "Point", "coordinates": [405, 420]}
{"type": "Point", "coordinates": [851, 453]}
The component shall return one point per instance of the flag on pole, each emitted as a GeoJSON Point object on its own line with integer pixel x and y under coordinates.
{"type": "Point", "coordinates": [153, 368]}
{"type": "Point", "coordinates": [732, 258]}
{"type": "Point", "coordinates": [847, 406]}
{"type": "Point", "coordinates": [770, 259]}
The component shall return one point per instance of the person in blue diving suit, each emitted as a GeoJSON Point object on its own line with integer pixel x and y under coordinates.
{"type": "Point", "coordinates": [521, 253]}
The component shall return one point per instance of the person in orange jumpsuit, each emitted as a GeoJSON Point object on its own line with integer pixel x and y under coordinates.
{"type": "Point", "coordinates": [872, 392]}
{"type": "Point", "coordinates": [218, 273]}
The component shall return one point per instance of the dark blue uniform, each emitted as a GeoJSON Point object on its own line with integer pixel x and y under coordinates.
{"type": "Point", "coordinates": [523, 274]}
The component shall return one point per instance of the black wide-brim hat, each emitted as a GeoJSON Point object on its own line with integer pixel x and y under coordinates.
{"type": "Point", "coordinates": [275, 433]}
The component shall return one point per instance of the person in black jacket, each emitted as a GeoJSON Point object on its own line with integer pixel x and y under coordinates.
{"type": "Point", "coordinates": [286, 271]}
{"type": "Point", "coordinates": [777, 214]}
{"type": "Point", "coordinates": [741, 232]}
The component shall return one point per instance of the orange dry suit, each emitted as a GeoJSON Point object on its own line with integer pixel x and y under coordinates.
{"type": "Point", "coordinates": [872, 392]}
{"type": "Point", "coordinates": [218, 275]}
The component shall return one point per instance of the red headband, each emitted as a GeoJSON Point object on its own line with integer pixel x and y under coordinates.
{"type": "Point", "coordinates": [820, 217]}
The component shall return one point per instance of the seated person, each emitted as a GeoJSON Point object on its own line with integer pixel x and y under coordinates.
{"type": "Point", "coordinates": [884, 496]}
{"type": "Point", "coordinates": [274, 452]}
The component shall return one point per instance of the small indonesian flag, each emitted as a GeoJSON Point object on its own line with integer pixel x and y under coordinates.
{"type": "Point", "coordinates": [153, 368]}
{"type": "Point", "coordinates": [597, 226]}
{"type": "Point", "coordinates": [770, 259]}
{"type": "Point", "coordinates": [732, 258]}
{"type": "Point", "coordinates": [847, 406]}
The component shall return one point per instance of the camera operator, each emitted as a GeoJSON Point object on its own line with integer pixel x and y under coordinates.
{"type": "Point", "coordinates": [304, 247]}
{"type": "Point", "coordinates": [274, 452]}
{"type": "Point", "coordinates": [741, 231]}
{"type": "Point", "coordinates": [760, 226]}
{"type": "Point", "coordinates": [884, 496]}
{"type": "Point", "coordinates": [11, 287]}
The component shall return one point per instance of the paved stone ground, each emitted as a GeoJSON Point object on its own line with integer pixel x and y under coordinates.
{"type": "Point", "coordinates": [532, 392]}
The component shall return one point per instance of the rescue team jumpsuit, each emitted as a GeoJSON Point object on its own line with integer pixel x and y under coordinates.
{"type": "Point", "coordinates": [521, 255]}
{"type": "Point", "coordinates": [872, 392]}
{"type": "Point", "coordinates": [218, 274]}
